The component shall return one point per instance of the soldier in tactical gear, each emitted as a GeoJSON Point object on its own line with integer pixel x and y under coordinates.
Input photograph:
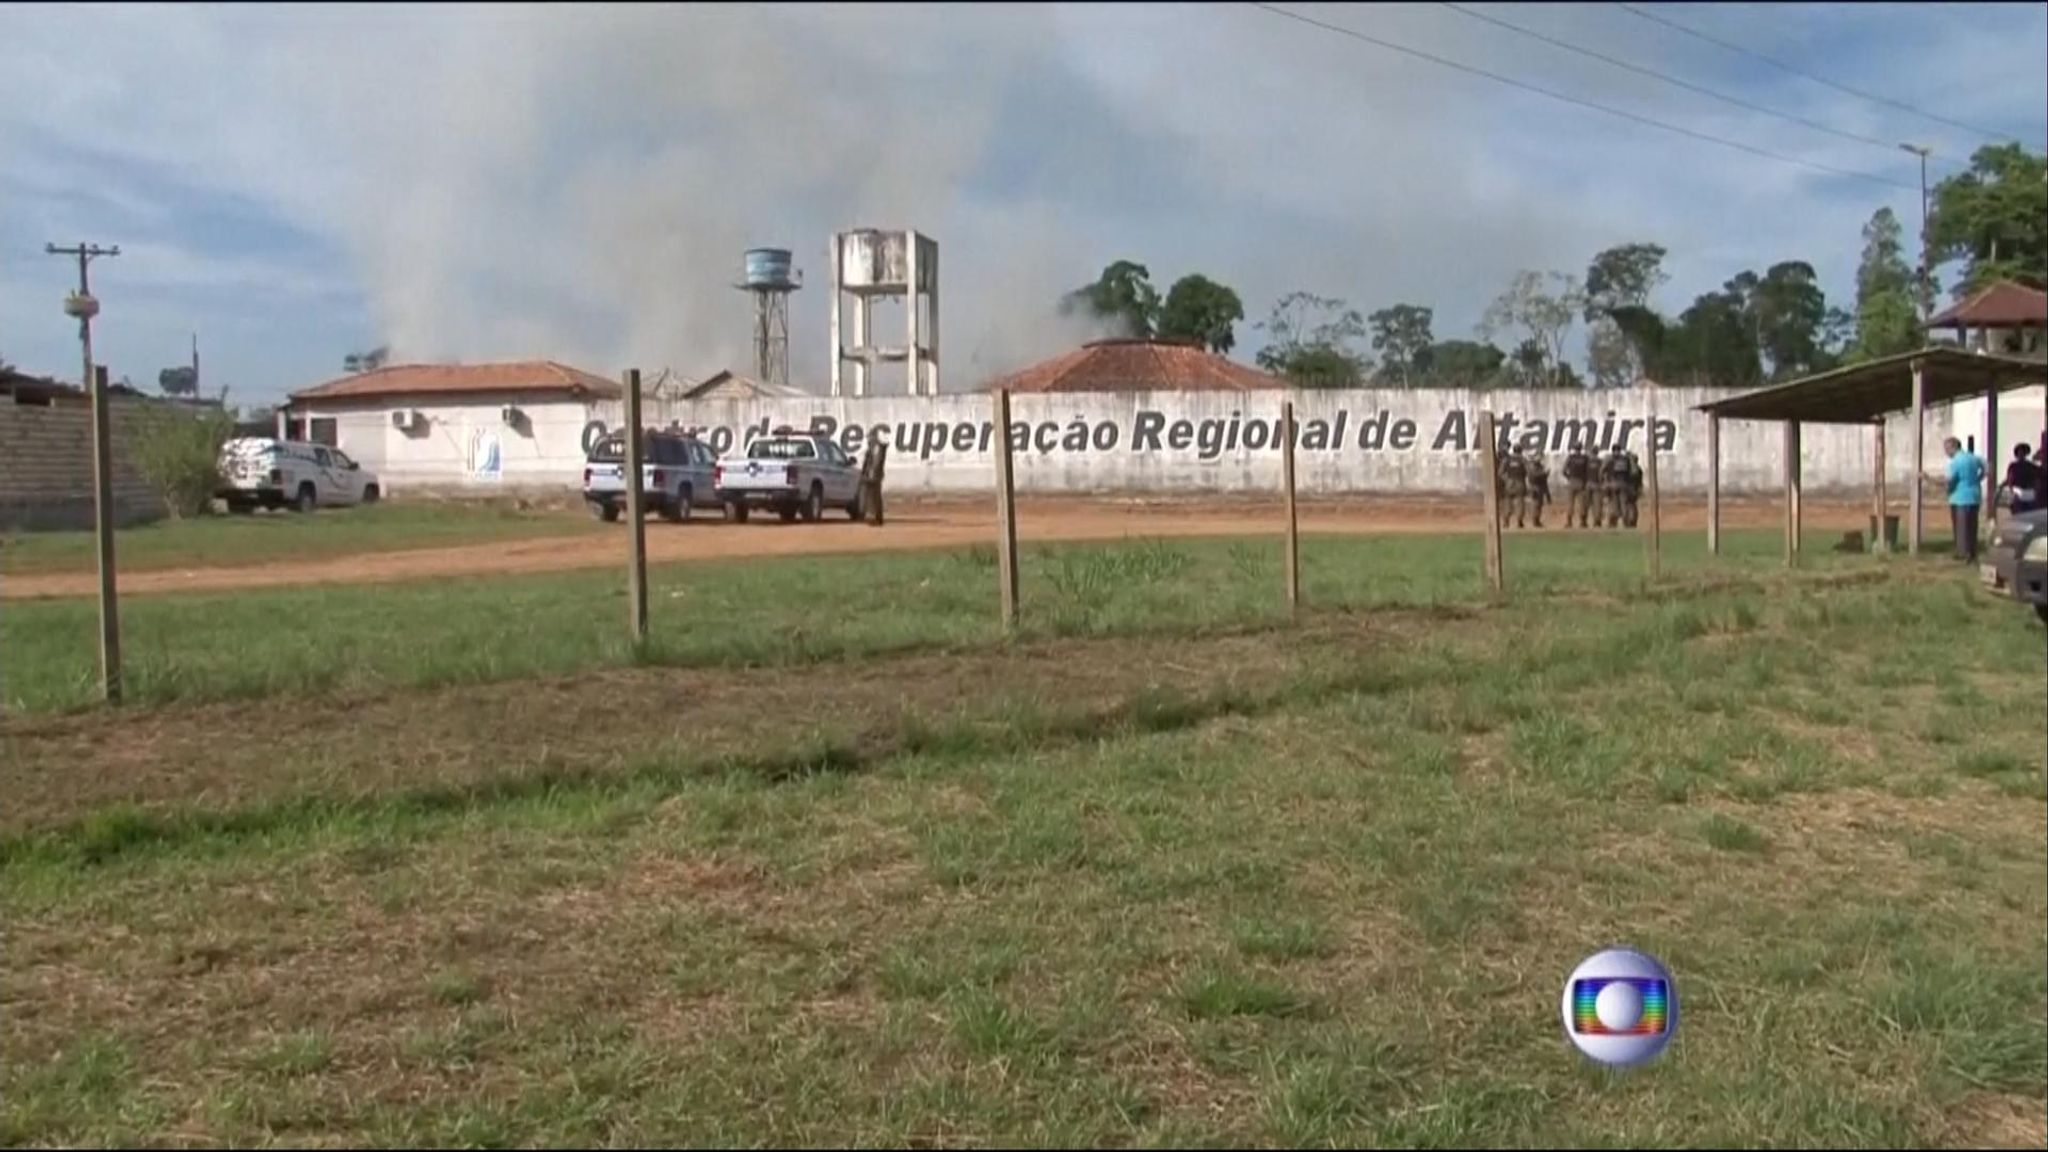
{"type": "Point", "coordinates": [1513, 486]}
{"type": "Point", "coordinates": [1613, 477]}
{"type": "Point", "coordinates": [1539, 484]}
{"type": "Point", "coordinates": [1578, 472]}
{"type": "Point", "coordinates": [1631, 489]}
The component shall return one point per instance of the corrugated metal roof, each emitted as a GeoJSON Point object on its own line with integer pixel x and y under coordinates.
{"type": "Point", "coordinates": [1138, 366]}
{"type": "Point", "coordinates": [1867, 392]}
{"type": "Point", "coordinates": [457, 379]}
{"type": "Point", "coordinates": [2002, 305]}
{"type": "Point", "coordinates": [732, 383]}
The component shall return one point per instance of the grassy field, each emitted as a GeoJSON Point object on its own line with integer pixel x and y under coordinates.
{"type": "Point", "coordinates": [217, 541]}
{"type": "Point", "coordinates": [1158, 871]}
{"type": "Point", "coordinates": [250, 644]}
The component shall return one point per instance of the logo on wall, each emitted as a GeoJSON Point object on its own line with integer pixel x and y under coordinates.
{"type": "Point", "coordinates": [486, 458]}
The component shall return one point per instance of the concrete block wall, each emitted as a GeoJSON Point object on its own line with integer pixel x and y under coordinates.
{"type": "Point", "coordinates": [46, 468]}
{"type": "Point", "coordinates": [1362, 441]}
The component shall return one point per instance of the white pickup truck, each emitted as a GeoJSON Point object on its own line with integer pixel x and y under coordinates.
{"type": "Point", "coordinates": [262, 472]}
{"type": "Point", "coordinates": [794, 473]}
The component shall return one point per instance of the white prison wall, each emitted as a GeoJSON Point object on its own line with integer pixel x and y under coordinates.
{"type": "Point", "coordinates": [1364, 441]}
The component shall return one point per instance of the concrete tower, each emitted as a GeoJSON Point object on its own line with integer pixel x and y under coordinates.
{"type": "Point", "coordinates": [870, 264]}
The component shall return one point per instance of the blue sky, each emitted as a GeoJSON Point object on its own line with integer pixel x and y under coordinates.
{"type": "Point", "coordinates": [296, 182]}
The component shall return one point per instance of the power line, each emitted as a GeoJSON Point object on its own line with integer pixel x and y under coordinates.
{"type": "Point", "coordinates": [1798, 71]}
{"type": "Point", "coordinates": [1574, 100]}
{"type": "Point", "coordinates": [1887, 145]}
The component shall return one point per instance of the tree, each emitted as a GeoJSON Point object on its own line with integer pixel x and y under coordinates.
{"type": "Point", "coordinates": [1716, 343]}
{"type": "Point", "coordinates": [366, 361]}
{"type": "Point", "coordinates": [1710, 344]}
{"type": "Point", "coordinates": [1401, 336]}
{"type": "Point", "coordinates": [178, 381]}
{"type": "Point", "coordinates": [1994, 218]}
{"type": "Point", "coordinates": [1547, 316]}
{"type": "Point", "coordinates": [1198, 308]}
{"type": "Point", "coordinates": [1123, 295]}
{"type": "Point", "coordinates": [1885, 322]}
{"type": "Point", "coordinates": [1620, 277]}
{"type": "Point", "coordinates": [1312, 340]}
{"type": "Point", "coordinates": [1465, 364]}
{"type": "Point", "coordinates": [1787, 309]}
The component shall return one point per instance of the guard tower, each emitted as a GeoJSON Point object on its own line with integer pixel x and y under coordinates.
{"type": "Point", "coordinates": [868, 265]}
{"type": "Point", "coordinates": [768, 279]}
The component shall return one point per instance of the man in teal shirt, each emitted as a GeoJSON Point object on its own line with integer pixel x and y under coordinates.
{"type": "Point", "coordinates": [1965, 493]}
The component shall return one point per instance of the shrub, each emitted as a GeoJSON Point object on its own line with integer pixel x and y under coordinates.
{"type": "Point", "coordinates": [176, 450]}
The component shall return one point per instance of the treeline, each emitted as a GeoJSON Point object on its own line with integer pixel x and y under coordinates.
{"type": "Point", "coordinates": [1989, 223]}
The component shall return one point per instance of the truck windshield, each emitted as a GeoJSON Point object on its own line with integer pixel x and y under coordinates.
{"type": "Point", "coordinates": [781, 450]}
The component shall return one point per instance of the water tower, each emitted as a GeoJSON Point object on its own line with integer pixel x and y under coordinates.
{"type": "Point", "coordinates": [871, 264]}
{"type": "Point", "coordinates": [768, 279]}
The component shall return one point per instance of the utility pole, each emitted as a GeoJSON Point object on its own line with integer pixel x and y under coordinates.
{"type": "Point", "coordinates": [83, 307]}
{"type": "Point", "coordinates": [1926, 252]}
{"type": "Point", "coordinates": [81, 304]}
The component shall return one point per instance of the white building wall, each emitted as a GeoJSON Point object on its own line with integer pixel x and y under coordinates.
{"type": "Point", "coordinates": [1410, 441]}
{"type": "Point", "coordinates": [450, 445]}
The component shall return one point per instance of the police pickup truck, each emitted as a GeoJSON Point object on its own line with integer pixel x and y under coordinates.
{"type": "Point", "coordinates": [2017, 564]}
{"type": "Point", "coordinates": [794, 473]}
{"type": "Point", "coordinates": [675, 475]}
{"type": "Point", "coordinates": [263, 472]}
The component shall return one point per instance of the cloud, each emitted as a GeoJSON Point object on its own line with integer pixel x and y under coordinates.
{"type": "Point", "coordinates": [579, 182]}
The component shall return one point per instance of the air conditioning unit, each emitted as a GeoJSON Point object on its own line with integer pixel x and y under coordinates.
{"type": "Point", "coordinates": [406, 420]}
{"type": "Point", "coordinates": [510, 415]}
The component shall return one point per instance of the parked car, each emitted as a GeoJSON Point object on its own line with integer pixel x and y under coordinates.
{"type": "Point", "coordinates": [675, 472]}
{"type": "Point", "coordinates": [794, 473]}
{"type": "Point", "coordinates": [2017, 564]}
{"type": "Point", "coordinates": [265, 472]}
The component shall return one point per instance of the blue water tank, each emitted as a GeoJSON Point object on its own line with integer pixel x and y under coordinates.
{"type": "Point", "coordinates": [768, 268]}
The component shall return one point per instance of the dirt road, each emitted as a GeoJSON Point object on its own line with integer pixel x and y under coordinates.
{"type": "Point", "coordinates": [924, 524]}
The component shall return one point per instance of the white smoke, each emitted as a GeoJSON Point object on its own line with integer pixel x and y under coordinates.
{"type": "Point", "coordinates": [580, 183]}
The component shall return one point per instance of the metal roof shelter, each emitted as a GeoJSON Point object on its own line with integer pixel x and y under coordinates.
{"type": "Point", "coordinates": [1867, 393]}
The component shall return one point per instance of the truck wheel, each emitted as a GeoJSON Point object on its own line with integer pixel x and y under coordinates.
{"type": "Point", "coordinates": [371, 495]}
{"type": "Point", "coordinates": [672, 510]}
{"type": "Point", "coordinates": [814, 504]}
{"type": "Point", "coordinates": [788, 515]}
{"type": "Point", "coordinates": [307, 499]}
{"type": "Point", "coordinates": [240, 507]}
{"type": "Point", "coordinates": [2041, 610]}
{"type": "Point", "coordinates": [609, 513]}
{"type": "Point", "coordinates": [736, 512]}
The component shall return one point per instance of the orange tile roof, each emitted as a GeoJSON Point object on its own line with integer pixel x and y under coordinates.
{"type": "Point", "coordinates": [2002, 305]}
{"type": "Point", "coordinates": [1138, 366]}
{"type": "Point", "coordinates": [458, 379]}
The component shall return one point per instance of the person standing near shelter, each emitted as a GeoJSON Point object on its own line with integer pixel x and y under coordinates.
{"type": "Point", "coordinates": [1539, 484]}
{"type": "Point", "coordinates": [2022, 480]}
{"type": "Point", "coordinates": [1965, 494]}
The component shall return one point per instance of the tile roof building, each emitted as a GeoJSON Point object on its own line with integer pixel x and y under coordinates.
{"type": "Point", "coordinates": [1138, 366]}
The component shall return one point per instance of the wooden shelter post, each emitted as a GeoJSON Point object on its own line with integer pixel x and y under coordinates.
{"type": "Point", "coordinates": [1994, 462]}
{"type": "Point", "coordinates": [1791, 492]}
{"type": "Point", "coordinates": [1880, 543]}
{"type": "Point", "coordinates": [1918, 498]}
{"type": "Point", "coordinates": [1713, 484]}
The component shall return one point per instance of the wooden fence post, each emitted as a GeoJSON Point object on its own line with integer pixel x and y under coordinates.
{"type": "Point", "coordinates": [104, 514]}
{"type": "Point", "coordinates": [1489, 484]}
{"type": "Point", "coordinates": [1006, 511]}
{"type": "Point", "coordinates": [1293, 559]}
{"type": "Point", "coordinates": [636, 504]}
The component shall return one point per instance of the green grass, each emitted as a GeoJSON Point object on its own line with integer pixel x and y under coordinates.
{"type": "Point", "coordinates": [253, 644]}
{"type": "Point", "coordinates": [1138, 877]}
{"type": "Point", "coordinates": [227, 541]}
